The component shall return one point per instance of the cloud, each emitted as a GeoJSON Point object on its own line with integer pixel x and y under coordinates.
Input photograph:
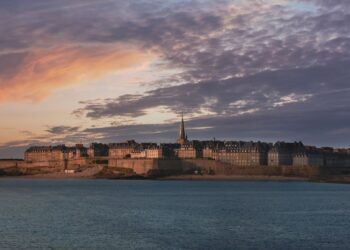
{"type": "Point", "coordinates": [265, 90]}
{"type": "Point", "coordinates": [329, 3]}
{"type": "Point", "coordinates": [321, 120]}
{"type": "Point", "coordinates": [292, 98]}
{"type": "Point", "coordinates": [219, 40]}
{"type": "Point", "coordinates": [309, 104]}
{"type": "Point", "coordinates": [58, 130]}
{"type": "Point", "coordinates": [37, 73]}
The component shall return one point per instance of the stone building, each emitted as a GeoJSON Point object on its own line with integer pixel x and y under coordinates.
{"type": "Point", "coordinates": [246, 154]}
{"type": "Point", "coordinates": [77, 152]}
{"type": "Point", "coordinates": [336, 159]}
{"type": "Point", "coordinates": [190, 150]}
{"type": "Point", "coordinates": [281, 154]}
{"type": "Point", "coordinates": [241, 154]}
{"type": "Point", "coordinates": [98, 150]}
{"type": "Point", "coordinates": [208, 153]}
{"type": "Point", "coordinates": [54, 153]}
{"type": "Point", "coordinates": [210, 147]}
{"type": "Point", "coordinates": [310, 156]}
{"type": "Point", "coordinates": [308, 159]}
{"type": "Point", "coordinates": [154, 153]}
{"type": "Point", "coordinates": [182, 134]}
{"type": "Point", "coordinates": [322, 157]}
{"type": "Point", "coordinates": [147, 150]}
{"type": "Point", "coordinates": [55, 156]}
{"type": "Point", "coordinates": [134, 150]}
{"type": "Point", "coordinates": [169, 150]}
{"type": "Point", "coordinates": [45, 153]}
{"type": "Point", "coordinates": [122, 150]}
{"type": "Point", "coordinates": [138, 154]}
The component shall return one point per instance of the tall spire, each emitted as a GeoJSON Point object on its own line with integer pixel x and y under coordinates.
{"type": "Point", "coordinates": [182, 135]}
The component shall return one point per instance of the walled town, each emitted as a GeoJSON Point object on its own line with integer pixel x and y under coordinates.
{"type": "Point", "coordinates": [185, 156]}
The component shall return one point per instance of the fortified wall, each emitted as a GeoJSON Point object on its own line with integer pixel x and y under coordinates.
{"type": "Point", "coordinates": [207, 166]}
{"type": "Point", "coordinates": [220, 168]}
{"type": "Point", "coordinates": [178, 166]}
{"type": "Point", "coordinates": [11, 163]}
{"type": "Point", "coordinates": [151, 166]}
{"type": "Point", "coordinates": [51, 164]}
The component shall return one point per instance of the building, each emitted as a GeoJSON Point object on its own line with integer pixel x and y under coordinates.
{"type": "Point", "coordinates": [122, 150]}
{"type": "Point", "coordinates": [77, 152]}
{"type": "Point", "coordinates": [169, 150]}
{"type": "Point", "coordinates": [337, 159]}
{"type": "Point", "coordinates": [54, 153]}
{"type": "Point", "coordinates": [147, 150]}
{"type": "Point", "coordinates": [239, 153]}
{"type": "Point", "coordinates": [308, 159]}
{"type": "Point", "coordinates": [154, 153]}
{"type": "Point", "coordinates": [190, 150]}
{"type": "Point", "coordinates": [138, 154]}
{"type": "Point", "coordinates": [310, 156]}
{"type": "Point", "coordinates": [98, 150]}
{"type": "Point", "coordinates": [281, 154]}
{"type": "Point", "coordinates": [45, 153]}
{"type": "Point", "coordinates": [134, 150]}
{"type": "Point", "coordinates": [322, 157]}
{"type": "Point", "coordinates": [182, 134]}
{"type": "Point", "coordinates": [56, 156]}
{"type": "Point", "coordinates": [210, 147]}
{"type": "Point", "coordinates": [245, 154]}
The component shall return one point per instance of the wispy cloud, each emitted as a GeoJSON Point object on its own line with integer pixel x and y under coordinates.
{"type": "Point", "coordinates": [40, 72]}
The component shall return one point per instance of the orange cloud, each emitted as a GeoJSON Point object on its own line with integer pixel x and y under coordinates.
{"type": "Point", "coordinates": [43, 71]}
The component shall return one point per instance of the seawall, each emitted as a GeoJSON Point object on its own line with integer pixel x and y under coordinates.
{"type": "Point", "coordinates": [206, 166]}
{"type": "Point", "coordinates": [11, 163]}
{"type": "Point", "coordinates": [71, 164]}
{"type": "Point", "coordinates": [175, 167]}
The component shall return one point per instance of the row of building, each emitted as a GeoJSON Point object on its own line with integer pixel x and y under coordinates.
{"type": "Point", "coordinates": [237, 153]}
{"type": "Point", "coordinates": [278, 154]}
{"type": "Point", "coordinates": [55, 153]}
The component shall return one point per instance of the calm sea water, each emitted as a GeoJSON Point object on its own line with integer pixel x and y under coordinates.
{"type": "Point", "coordinates": [102, 214]}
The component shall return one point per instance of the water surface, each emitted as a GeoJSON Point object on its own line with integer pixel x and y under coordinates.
{"type": "Point", "coordinates": [103, 214]}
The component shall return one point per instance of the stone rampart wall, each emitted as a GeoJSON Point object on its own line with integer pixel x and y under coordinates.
{"type": "Point", "coordinates": [44, 164]}
{"type": "Point", "coordinates": [183, 166]}
{"type": "Point", "coordinates": [9, 163]}
{"type": "Point", "coordinates": [139, 166]}
{"type": "Point", "coordinates": [206, 166]}
{"type": "Point", "coordinates": [76, 163]}
{"type": "Point", "coordinates": [220, 168]}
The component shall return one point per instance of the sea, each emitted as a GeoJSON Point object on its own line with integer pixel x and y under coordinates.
{"type": "Point", "coordinates": [146, 214]}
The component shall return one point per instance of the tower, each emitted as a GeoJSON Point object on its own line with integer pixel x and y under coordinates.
{"type": "Point", "coordinates": [182, 135]}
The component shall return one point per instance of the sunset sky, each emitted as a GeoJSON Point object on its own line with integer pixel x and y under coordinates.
{"type": "Point", "coordinates": [108, 70]}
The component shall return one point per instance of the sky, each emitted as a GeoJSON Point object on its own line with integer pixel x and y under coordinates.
{"type": "Point", "coordinates": [82, 71]}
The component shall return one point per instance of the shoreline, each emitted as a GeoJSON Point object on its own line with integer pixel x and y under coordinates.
{"type": "Point", "coordinates": [233, 178]}
{"type": "Point", "coordinates": [162, 178]}
{"type": "Point", "coordinates": [96, 175]}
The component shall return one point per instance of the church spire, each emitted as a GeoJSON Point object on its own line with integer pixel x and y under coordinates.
{"type": "Point", "coordinates": [182, 135]}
